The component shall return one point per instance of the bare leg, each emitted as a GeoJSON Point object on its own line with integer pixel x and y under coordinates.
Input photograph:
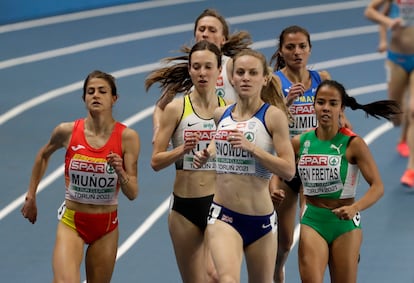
{"type": "Point", "coordinates": [286, 212]}
{"type": "Point", "coordinates": [188, 242]}
{"type": "Point", "coordinates": [343, 261]}
{"type": "Point", "coordinates": [100, 258]}
{"type": "Point", "coordinates": [67, 255]}
{"type": "Point", "coordinates": [408, 177]}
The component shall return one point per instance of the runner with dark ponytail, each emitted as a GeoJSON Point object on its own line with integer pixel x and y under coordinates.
{"type": "Point", "coordinates": [381, 108]}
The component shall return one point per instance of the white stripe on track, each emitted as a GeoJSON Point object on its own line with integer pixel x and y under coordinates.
{"type": "Point", "coordinates": [162, 208]}
{"type": "Point", "coordinates": [183, 28]}
{"type": "Point", "coordinates": [91, 14]}
{"type": "Point", "coordinates": [144, 114]}
{"type": "Point", "coordinates": [17, 110]}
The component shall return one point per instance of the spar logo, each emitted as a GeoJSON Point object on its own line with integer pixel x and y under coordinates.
{"type": "Point", "coordinates": [89, 167]}
{"type": "Point", "coordinates": [204, 135]}
{"type": "Point", "coordinates": [302, 109]}
{"type": "Point", "coordinates": [319, 160]}
{"type": "Point", "coordinates": [222, 134]}
{"type": "Point", "coordinates": [314, 160]}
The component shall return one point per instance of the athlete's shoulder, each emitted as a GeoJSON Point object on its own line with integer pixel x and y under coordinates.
{"type": "Point", "coordinates": [67, 127]}
{"type": "Point", "coordinates": [176, 104]}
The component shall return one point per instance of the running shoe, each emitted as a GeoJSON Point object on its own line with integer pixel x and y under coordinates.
{"type": "Point", "coordinates": [407, 178]}
{"type": "Point", "coordinates": [403, 149]}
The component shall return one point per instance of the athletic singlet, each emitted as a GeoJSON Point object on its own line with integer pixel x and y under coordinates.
{"type": "Point", "coordinates": [405, 11]}
{"type": "Point", "coordinates": [394, 11]}
{"type": "Point", "coordinates": [88, 177]}
{"type": "Point", "coordinates": [224, 89]}
{"type": "Point", "coordinates": [190, 123]}
{"type": "Point", "coordinates": [302, 108]}
{"type": "Point", "coordinates": [236, 160]}
{"type": "Point", "coordinates": [323, 168]}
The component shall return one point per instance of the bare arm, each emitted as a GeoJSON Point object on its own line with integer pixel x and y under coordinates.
{"type": "Point", "coordinates": [382, 44]}
{"type": "Point", "coordinates": [358, 152]}
{"type": "Point", "coordinates": [169, 119]}
{"type": "Point", "coordinates": [129, 177]}
{"type": "Point", "coordinates": [372, 12]}
{"type": "Point", "coordinates": [59, 138]}
{"type": "Point", "coordinates": [156, 116]}
{"type": "Point", "coordinates": [283, 164]}
{"type": "Point", "coordinates": [382, 29]}
{"type": "Point", "coordinates": [362, 155]}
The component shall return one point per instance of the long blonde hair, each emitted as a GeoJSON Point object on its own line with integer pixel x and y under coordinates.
{"type": "Point", "coordinates": [272, 92]}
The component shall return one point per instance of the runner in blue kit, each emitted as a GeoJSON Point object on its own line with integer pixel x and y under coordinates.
{"type": "Point", "coordinates": [400, 71]}
{"type": "Point", "coordinates": [298, 84]}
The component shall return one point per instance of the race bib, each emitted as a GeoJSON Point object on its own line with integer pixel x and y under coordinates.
{"type": "Point", "coordinates": [205, 137]}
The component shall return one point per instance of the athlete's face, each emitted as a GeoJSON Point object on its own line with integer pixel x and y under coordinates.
{"type": "Point", "coordinates": [204, 71]}
{"type": "Point", "coordinates": [248, 76]}
{"type": "Point", "coordinates": [98, 95]}
{"type": "Point", "coordinates": [210, 29]}
{"type": "Point", "coordinates": [295, 50]}
{"type": "Point", "coordinates": [328, 106]}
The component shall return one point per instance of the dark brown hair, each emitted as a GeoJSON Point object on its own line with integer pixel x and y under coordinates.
{"type": "Point", "coordinates": [100, 75]}
{"type": "Point", "coordinates": [279, 61]}
{"type": "Point", "coordinates": [381, 108]}
{"type": "Point", "coordinates": [175, 78]}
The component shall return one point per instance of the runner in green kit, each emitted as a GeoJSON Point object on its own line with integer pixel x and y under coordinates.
{"type": "Point", "coordinates": [330, 158]}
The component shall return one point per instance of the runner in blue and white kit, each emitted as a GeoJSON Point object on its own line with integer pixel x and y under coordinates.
{"type": "Point", "coordinates": [242, 219]}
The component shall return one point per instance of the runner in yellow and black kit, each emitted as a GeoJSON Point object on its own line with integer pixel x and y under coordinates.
{"type": "Point", "coordinates": [188, 123]}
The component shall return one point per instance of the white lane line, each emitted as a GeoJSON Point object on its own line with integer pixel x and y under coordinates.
{"type": "Point", "coordinates": [28, 104]}
{"type": "Point", "coordinates": [17, 110]}
{"type": "Point", "coordinates": [46, 181]}
{"type": "Point", "coordinates": [145, 113]}
{"type": "Point", "coordinates": [91, 14]}
{"type": "Point", "coordinates": [162, 208]}
{"type": "Point", "coordinates": [294, 12]}
{"type": "Point", "coordinates": [180, 28]}
{"type": "Point", "coordinates": [143, 228]}
{"type": "Point", "coordinates": [130, 121]}
{"type": "Point", "coordinates": [339, 33]}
